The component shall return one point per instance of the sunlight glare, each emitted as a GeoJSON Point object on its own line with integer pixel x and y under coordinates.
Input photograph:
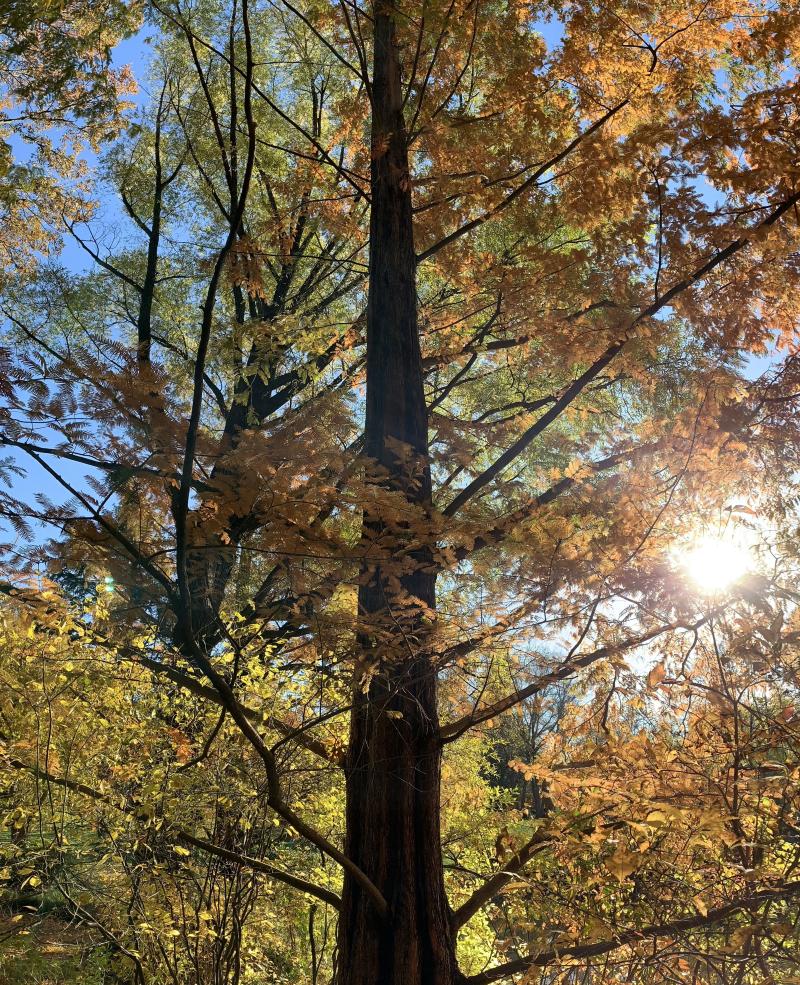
{"type": "Point", "coordinates": [715, 564]}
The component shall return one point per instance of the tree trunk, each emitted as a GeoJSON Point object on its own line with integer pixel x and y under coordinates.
{"type": "Point", "coordinates": [394, 758]}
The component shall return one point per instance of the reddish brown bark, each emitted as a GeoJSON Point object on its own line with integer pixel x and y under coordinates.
{"type": "Point", "coordinates": [394, 758]}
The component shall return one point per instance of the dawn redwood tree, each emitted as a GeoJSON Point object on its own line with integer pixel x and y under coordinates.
{"type": "Point", "coordinates": [429, 349]}
{"type": "Point", "coordinates": [393, 764]}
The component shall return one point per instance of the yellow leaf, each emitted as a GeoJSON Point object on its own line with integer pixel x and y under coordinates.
{"type": "Point", "coordinates": [622, 863]}
{"type": "Point", "coordinates": [577, 470]}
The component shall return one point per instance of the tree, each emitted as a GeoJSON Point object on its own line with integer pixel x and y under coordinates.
{"type": "Point", "coordinates": [425, 344]}
{"type": "Point", "coordinates": [59, 95]}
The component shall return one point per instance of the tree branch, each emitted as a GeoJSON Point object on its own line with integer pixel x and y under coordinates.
{"type": "Point", "coordinates": [633, 936]}
{"type": "Point", "coordinates": [181, 835]}
{"type": "Point", "coordinates": [521, 189]}
{"type": "Point", "coordinates": [114, 469]}
{"type": "Point", "coordinates": [496, 534]}
{"type": "Point", "coordinates": [196, 687]}
{"type": "Point", "coordinates": [573, 391]}
{"type": "Point", "coordinates": [495, 883]}
{"type": "Point", "coordinates": [274, 793]}
{"type": "Point", "coordinates": [122, 539]}
{"type": "Point", "coordinates": [450, 732]}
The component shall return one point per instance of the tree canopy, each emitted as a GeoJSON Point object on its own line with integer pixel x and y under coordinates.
{"type": "Point", "coordinates": [401, 494]}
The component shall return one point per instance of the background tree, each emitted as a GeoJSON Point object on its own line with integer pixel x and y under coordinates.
{"type": "Point", "coordinates": [59, 96]}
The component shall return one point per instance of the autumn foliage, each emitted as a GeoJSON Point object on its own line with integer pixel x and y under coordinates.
{"type": "Point", "coordinates": [370, 375]}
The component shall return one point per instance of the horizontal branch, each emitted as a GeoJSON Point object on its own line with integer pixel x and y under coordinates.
{"type": "Point", "coordinates": [125, 807]}
{"type": "Point", "coordinates": [634, 936]}
{"type": "Point", "coordinates": [115, 469]}
{"type": "Point", "coordinates": [246, 861]}
{"type": "Point", "coordinates": [436, 360]}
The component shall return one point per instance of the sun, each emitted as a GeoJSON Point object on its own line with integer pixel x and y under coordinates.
{"type": "Point", "coordinates": [714, 564]}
